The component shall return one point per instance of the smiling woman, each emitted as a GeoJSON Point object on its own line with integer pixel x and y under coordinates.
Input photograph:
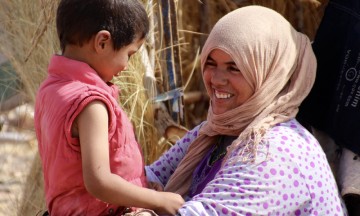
{"type": "Point", "coordinates": [251, 156]}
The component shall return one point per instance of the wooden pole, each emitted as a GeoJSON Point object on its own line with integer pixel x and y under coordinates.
{"type": "Point", "coordinates": [172, 59]}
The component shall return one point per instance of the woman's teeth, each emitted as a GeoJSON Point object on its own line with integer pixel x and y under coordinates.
{"type": "Point", "coordinates": [222, 95]}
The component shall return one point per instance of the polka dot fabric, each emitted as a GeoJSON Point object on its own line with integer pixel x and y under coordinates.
{"type": "Point", "coordinates": [291, 176]}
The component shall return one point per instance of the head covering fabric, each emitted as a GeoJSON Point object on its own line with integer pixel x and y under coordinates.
{"type": "Point", "coordinates": [278, 63]}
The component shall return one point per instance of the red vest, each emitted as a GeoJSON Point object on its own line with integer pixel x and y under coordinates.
{"type": "Point", "coordinates": [69, 87]}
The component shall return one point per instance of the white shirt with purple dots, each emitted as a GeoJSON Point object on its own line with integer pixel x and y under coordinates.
{"type": "Point", "coordinates": [291, 176]}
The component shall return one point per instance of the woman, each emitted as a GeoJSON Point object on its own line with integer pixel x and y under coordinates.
{"type": "Point", "coordinates": [251, 157]}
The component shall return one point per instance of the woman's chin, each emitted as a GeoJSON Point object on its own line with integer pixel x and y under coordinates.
{"type": "Point", "coordinates": [220, 106]}
{"type": "Point", "coordinates": [218, 110]}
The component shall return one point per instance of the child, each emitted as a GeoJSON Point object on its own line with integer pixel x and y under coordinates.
{"type": "Point", "coordinates": [91, 161]}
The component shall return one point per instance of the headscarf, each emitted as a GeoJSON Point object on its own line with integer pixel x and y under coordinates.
{"type": "Point", "coordinates": [278, 63]}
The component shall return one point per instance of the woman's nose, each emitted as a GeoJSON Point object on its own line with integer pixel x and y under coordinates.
{"type": "Point", "coordinates": [218, 77]}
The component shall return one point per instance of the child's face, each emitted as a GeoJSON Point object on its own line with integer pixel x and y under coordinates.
{"type": "Point", "coordinates": [112, 62]}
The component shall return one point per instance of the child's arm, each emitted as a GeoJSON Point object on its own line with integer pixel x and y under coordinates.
{"type": "Point", "coordinates": [99, 181]}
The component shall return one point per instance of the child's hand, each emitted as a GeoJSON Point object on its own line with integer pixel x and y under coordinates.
{"type": "Point", "coordinates": [155, 186]}
{"type": "Point", "coordinates": [171, 202]}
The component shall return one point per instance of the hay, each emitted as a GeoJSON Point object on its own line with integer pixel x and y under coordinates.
{"type": "Point", "coordinates": [28, 40]}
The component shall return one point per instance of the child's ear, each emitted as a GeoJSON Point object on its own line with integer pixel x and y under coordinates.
{"type": "Point", "coordinates": [102, 40]}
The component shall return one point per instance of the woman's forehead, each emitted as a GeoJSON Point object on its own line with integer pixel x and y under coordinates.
{"type": "Point", "coordinates": [220, 55]}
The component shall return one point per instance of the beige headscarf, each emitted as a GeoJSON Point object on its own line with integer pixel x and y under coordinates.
{"type": "Point", "coordinates": [278, 63]}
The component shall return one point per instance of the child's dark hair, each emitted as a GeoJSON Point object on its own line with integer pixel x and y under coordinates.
{"type": "Point", "coordinates": [78, 20]}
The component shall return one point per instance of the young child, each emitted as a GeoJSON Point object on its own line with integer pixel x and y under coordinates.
{"type": "Point", "coordinates": [91, 160]}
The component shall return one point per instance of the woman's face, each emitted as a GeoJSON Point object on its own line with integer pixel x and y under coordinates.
{"type": "Point", "coordinates": [224, 82]}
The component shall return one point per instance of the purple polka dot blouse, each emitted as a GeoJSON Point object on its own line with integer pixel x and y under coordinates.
{"type": "Point", "coordinates": [291, 176]}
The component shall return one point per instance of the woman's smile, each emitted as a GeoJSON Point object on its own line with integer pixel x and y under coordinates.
{"type": "Point", "coordinates": [222, 95]}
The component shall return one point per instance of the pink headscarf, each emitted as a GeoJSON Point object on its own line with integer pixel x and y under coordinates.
{"type": "Point", "coordinates": [278, 63]}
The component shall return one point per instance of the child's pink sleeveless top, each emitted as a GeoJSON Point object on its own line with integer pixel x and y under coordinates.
{"type": "Point", "coordinates": [69, 87]}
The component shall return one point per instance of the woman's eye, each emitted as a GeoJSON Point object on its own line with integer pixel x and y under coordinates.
{"type": "Point", "coordinates": [234, 69]}
{"type": "Point", "coordinates": [210, 64]}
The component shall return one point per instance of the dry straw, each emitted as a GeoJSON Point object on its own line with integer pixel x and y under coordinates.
{"type": "Point", "coordinates": [28, 39]}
